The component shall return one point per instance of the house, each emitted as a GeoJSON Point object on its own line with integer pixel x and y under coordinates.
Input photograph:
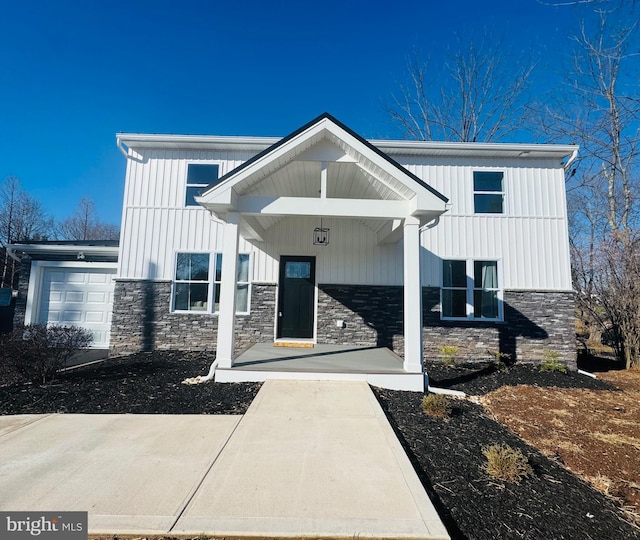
{"type": "Point", "coordinates": [323, 237]}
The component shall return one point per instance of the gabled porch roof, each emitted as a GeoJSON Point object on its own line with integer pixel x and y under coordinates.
{"type": "Point", "coordinates": [321, 169]}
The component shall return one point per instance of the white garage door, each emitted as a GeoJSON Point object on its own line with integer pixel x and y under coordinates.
{"type": "Point", "coordinates": [79, 297]}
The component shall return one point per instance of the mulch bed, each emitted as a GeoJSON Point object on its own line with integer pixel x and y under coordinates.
{"type": "Point", "coordinates": [481, 378]}
{"type": "Point", "coordinates": [447, 454]}
{"type": "Point", "coordinates": [143, 383]}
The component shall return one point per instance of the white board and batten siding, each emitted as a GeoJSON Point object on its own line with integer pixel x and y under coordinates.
{"type": "Point", "coordinates": [73, 294]}
{"type": "Point", "coordinates": [530, 238]}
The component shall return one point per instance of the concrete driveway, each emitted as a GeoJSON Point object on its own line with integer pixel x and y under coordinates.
{"type": "Point", "coordinates": [308, 458]}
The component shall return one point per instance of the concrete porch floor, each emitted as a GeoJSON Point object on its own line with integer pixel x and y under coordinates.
{"type": "Point", "coordinates": [376, 365]}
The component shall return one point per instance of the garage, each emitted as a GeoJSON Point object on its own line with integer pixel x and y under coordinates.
{"type": "Point", "coordinates": [67, 283]}
{"type": "Point", "coordinates": [78, 297]}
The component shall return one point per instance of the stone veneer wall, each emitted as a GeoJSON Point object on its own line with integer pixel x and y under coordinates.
{"type": "Point", "coordinates": [534, 322]}
{"type": "Point", "coordinates": [23, 290]}
{"type": "Point", "coordinates": [372, 315]}
{"type": "Point", "coordinates": [142, 320]}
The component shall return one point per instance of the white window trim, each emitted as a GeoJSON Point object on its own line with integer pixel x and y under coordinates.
{"type": "Point", "coordinates": [503, 193]}
{"type": "Point", "coordinates": [210, 281]}
{"type": "Point", "coordinates": [187, 184]}
{"type": "Point", "coordinates": [469, 263]}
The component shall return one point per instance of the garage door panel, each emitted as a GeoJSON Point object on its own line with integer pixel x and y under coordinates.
{"type": "Point", "coordinates": [72, 297]}
{"type": "Point", "coordinates": [81, 298]}
{"type": "Point", "coordinates": [98, 297]}
{"type": "Point", "coordinates": [76, 277]}
{"type": "Point", "coordinates": [95, 316]}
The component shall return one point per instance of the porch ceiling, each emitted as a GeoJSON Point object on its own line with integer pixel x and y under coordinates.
{"type": "Point", "coordinates": [323, 169]}
{"type": "Point", "coordinates": [302, 179]}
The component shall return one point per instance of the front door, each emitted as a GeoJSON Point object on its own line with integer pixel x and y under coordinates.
{"type": "Point", "coordinates": [296, 297]}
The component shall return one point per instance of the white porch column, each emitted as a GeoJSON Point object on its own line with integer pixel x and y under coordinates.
{"type": "Point", "coordinates": [412, 297]}
{"type": "Point", "coordinates": [227, 310]}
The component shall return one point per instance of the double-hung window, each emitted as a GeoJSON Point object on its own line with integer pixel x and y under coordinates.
{"type": "Point", "coordinates": [488, 192]}
{"type": "Point", "coordinates": [191, 288]}
{"type": "Point", "coordinates": [198, 278]}
{"type": "Point", "coordinates": [471, 290]}
{"type": "Point", "coordinates": [199, 177]}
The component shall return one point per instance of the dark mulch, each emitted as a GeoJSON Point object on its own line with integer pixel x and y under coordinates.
{"type": "Point", "coordinates": [144, 383]}
{"type": "Point", "coordinates": [481, 378]}
{"type": "Point", "coordinates": [447, 455]}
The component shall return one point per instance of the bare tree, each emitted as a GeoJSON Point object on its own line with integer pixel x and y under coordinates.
{"type": "Point", "coordinates": [477, 95]}
{"type": "Point", "coordinates": [599, 109]}
{"type": "Point", "coordinates": [85, 225]}
{"type": "Point", "coordinates": [22, 218]}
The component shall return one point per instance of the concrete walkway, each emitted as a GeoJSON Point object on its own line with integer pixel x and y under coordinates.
{"type": "Point", "coordinates": [308, 459]}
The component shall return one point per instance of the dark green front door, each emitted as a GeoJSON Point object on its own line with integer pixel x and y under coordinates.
{"type": "Point", "coordinates": [296, 297]}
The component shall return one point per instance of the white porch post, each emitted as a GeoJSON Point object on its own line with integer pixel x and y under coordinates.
{"type": "Point", "coordinates": [227, 310]}
{"type": "Point", "coordinates": [412, 297]}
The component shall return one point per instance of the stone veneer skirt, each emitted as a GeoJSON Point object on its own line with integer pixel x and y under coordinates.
{"type": "Point", "coordinates": [535, 322]}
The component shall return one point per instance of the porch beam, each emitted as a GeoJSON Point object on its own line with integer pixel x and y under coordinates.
{"type": "Point", "coordinates": [252, 230]}
{"type": "Point", "coordinates": [306, 206]}
{"type": "Point", "coordinates": [227, 310]}
{"type": "Point", "coordinates": [412, 297]}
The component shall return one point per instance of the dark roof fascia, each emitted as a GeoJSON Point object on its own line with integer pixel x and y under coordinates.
{"type": "Point", "coordinates": [83, 243]}
{"type": "Point", "coordinates": [308, 125]}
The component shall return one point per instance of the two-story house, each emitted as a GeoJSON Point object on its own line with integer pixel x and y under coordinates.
{"type": "Point", "coordinates": [323, 237]}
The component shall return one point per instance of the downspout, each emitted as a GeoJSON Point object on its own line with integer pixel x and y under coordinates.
{"type": "Point", "coordinates": [206, 378]}
{"type": "Point", "coordinates": [12, 253]}
{"type": "Point", "coordinates": [121, 147]}
{"type": "Point", "coordinates": [572, 158]}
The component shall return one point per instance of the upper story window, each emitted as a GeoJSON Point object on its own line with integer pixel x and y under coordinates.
{"type": "Point", "coordinates": [199, 176]}
{"type": "Point", "coordinates": [488, 192]}
{"type": "Point", "coordinates": [470, 290]}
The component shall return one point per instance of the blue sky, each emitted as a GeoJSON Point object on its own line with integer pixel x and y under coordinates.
{"type": "Point", "coordinates": [73, 73]}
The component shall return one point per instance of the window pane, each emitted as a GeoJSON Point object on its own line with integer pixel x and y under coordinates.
{"type": "Point", "coordinates": [191, 296]}
{"type": "Point", "coordinates": [218, 267]}
{"type": "Point", "coordinates": [192, 267]}
{"type": "Point", "coordinates": [216, 298]}
{"type": "Point", "coordinates": [191, 193]}
{"type": "Point", "coordinates": [242, 298]}
{"type": "Point", "coordinates": [487, 204]}
{"type": "Point", "coordinates": [202, 173]}
{"type": "Point", "coordinates": [199, 267]}
{"type": "Point", "coordinates": [183, 265]}
{"type": "Point", "coordinates": [297, 270]}
{"type": "Point", "coordinates": [485, 304]}
{"type": "Point", "coordinates": [485, 274]}
{"type": "Point", "coordinates": [454, 273]}
{"type": "Point", "coordinates": [454, 303]}
{"type": "Point", "coordinates": [487, 181]}
{"type": "Point", "coordinates": [243, 267]}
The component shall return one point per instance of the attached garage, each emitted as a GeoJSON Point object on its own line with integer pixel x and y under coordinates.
{"type": "Point", "coordinates": [69, 284]}
{"type": "Point", "coordinates": [78, 297]}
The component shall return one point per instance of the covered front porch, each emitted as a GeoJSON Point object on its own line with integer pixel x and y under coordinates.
{"type": "Point", "coordinates": [323, 177]}
{"type": "Point", "coordinates": [377, 366]}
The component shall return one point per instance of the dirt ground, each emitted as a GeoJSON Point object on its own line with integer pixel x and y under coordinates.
{"type": "Point", "coordinates": [595, 434]}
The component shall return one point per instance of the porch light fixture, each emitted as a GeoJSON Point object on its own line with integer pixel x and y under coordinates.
{"type": "Point", "coordinates": [320, 235]}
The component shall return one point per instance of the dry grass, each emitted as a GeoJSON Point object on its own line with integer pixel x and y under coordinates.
{"type": "Point", "coordinates": [616, 439]}
{"type": "Point", "coordinates": [506, 463]}
{"type": "Point", "coordinates": [594, 433]}
{"type": "Point", "coordinates": [436, 405]}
